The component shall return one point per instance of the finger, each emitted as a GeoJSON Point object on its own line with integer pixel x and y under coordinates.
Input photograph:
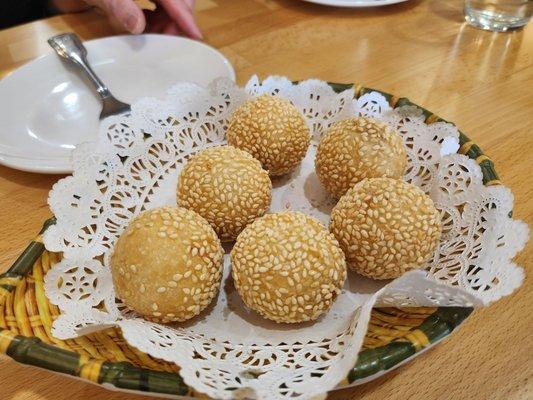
{"type": "Point", "coordinates": [182, 15]}
{"type": "Point", "coordinates": [115, 24]}
{"type": "Point", "coordinates": [129, 15]}
{"type": "Point", "coordinates": [172, 29]}
{"type": "Point", "coordinates": [124, 13]}
{"type": "Point", "coordinates": [103, 6]}
{"type": "Point", "coordinates": [190, 4]}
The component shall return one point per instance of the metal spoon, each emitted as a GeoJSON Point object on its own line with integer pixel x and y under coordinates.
{"type": "Point", "coordinates": [69, 47]}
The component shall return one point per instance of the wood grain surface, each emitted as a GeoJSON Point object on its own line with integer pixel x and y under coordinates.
{"type": "Point", "coordinates": [423, 50]}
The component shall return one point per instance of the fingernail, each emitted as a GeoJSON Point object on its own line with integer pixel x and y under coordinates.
{"type": "Point", "coordinates": [132, 23]}
{"type": "Point", "coordinates": [198, 33]}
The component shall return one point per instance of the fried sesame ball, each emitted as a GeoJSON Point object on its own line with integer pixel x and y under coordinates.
{"type": "Point", "coordinates": [355, 149]}
{"type": "Point", "coordinates": [272, 130]}
{"type": "Point", "coordinates": [167, 264]}
{"type": "Point", "coordinates": [386, 227]}
{"type": "Point", "coordinates": [226, 186]}
{"type": "Point", "coordinates": [288, 267]}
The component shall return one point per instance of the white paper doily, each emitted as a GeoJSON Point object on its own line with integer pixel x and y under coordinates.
{"type": "Point", "coordinates": [228, 351]}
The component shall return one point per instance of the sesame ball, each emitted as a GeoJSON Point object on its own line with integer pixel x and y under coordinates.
{"type": "Point", "coordinates": [288, 267]}
{"type": "Point", "coordinates": [386, 227]}
{"type": "Point", "coordinates": [355, 149]}
{"type": "Point", "coordinates": [272, 130]}
{"type": "Point", "coordinates": [227, 187]}
{"type": "Point", "coordinates": [167, 264]}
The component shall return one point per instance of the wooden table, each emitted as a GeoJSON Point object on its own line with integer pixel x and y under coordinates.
{"type": "Point", "coordinates": [419, 49]}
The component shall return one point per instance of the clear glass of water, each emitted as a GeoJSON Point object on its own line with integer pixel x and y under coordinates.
{"type": "Point", "coordinates": [498, 15]}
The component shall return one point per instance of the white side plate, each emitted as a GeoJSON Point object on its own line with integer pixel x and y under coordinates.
{"type": "Point", "coordinates": [355, 3]}
{"type": "Point", "coordinates": [46, 109]}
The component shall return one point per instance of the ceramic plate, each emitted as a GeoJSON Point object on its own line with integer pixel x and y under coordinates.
{"type": "Point", "coordinates": [355, 3]}
{"type": "Point", "coordinates": [46, 109]}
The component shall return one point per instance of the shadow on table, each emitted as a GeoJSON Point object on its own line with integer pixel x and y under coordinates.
{"type": "Point", "coordinates": [451, 10]}
{"type": "Point", "coordinates": [28, 179]}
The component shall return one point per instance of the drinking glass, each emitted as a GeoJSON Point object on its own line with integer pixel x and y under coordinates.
{"type": "Point", "coordinates": [498, 15]}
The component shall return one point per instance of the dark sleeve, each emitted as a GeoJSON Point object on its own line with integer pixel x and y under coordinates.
{"type": "Point", "coordinates": [14, 12]}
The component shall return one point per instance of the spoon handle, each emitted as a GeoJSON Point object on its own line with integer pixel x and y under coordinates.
{"type": "Point", "coordinates": [69, 47]}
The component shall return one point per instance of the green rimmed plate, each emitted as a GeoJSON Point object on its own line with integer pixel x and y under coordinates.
{"type": "Point", "coordinates": [394, 335]}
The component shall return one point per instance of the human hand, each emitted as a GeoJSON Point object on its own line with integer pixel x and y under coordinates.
{"type": "Point", "coordinates": [172, 17]}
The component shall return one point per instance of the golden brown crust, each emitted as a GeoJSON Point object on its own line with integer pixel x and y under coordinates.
{"type": "Point", "coordinates": [273, 131]}
{"type": "Point", "coordinates": [227, 187]}
{"type": "Point", "coordinates": [167, 264]}
{"type": "Point", "coordinates": [288, 267]}
{"type": "Point", "coordinates": [355, 149]}
{"type": "Point", "coordinates": [386, 227]}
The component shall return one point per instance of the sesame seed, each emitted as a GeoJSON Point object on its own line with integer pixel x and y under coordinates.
{"type": "Point", "coordinates": [271, 242]}
{"type": "Point", "coordinates": [266, 124]}
{"type": "Point", "coordinates": [357, 146]}
{"type": "Point", "coordinates": [402, 236]}
{"type": "Point", "coordinates": [190, 226]}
